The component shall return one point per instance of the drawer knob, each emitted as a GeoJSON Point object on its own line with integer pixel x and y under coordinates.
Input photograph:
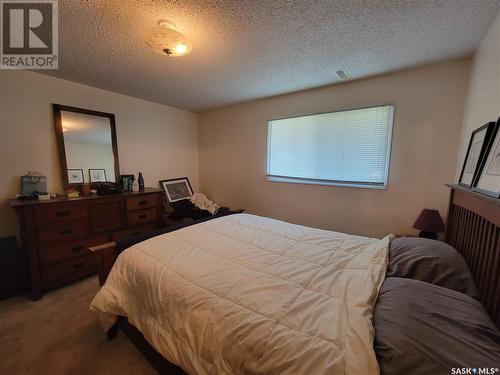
{"type": "Point", "coordinates": [142, 203]}
{"type": "Point", "coordinates": [62, 213]}
{"type": "Point", "coordinates": [64, 231]}
{"type": "Point", "coordinates": [143, 216]}
{"type": "Point", "coordinates": [77, 248]}
{"type": "Point", "coordinates": [79, 265]}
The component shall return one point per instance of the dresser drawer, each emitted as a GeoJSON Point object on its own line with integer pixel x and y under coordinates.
{"type": "Point", "coordinates": [128, 233]}
{"type": "Point", "coordinates": [107, 214]}
{"type": "Point", "coordinates": [68, 270]}
{"type": "Point", "coordinates": [57, 233]}
{"type": "Point", "coordinates": [142, 216]}
{"type": "Point", "coordinates": [60, 212]}
{"type": "Point", "coordinates": [144, 201]}
{"type": "Point", "coordinates": [55, 253]}
{"type": "Point", "coordinates": [63, 231]}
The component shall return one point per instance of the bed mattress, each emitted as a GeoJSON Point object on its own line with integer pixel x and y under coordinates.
{"type": "Point", "coordinates": [243, 294]}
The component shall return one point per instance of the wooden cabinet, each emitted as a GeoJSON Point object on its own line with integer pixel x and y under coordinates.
{"type": "Point", "coordinates": [149, 215]}
{"type": "Point", "coordinates": [107, 214]}
{"type": "Point", "coordinates": [60, 212]}
{"type": "Point", "coordinates": [131, 232]}
{"type": "Point", "coordinates": [54, 253]}
{"type": "Point", "coordinates": [56, 234]}
{"type": "Point", "coordinates": [139, 203]}
{"type": "Point", "coordinates": [57, 274]}
{"type": "Point", "coordinates": [61, 231]}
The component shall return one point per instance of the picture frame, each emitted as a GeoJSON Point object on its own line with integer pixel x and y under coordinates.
{"type": "Point", "coordinates": [478, 144]}
{"type": "Point", "coordinates": [97, 175]}
{"type": "Point", "coordinates": [177, 189]}
{"type": "Point", "coordinates": [488, 177]}
{"type": "Point", "coordinates": [75, 176]}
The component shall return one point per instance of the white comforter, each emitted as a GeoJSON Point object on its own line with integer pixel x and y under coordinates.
{"type": "Point", "coordinates": [244, 294]}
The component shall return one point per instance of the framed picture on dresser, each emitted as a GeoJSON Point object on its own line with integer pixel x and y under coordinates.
{"type": "Point", "coordinates": [75, 176]}
{"type": "Point", "coordinates": [478, 145]}
{"type": "Point", "coordinates": [97, 175]}
{"type": "Point", "coordinates": [488, 175]}
{"type": "Point", "coordinates": [177, 189]}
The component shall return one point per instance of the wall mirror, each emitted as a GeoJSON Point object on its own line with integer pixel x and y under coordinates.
{"type": "Point", "coordinates": [88, 150]}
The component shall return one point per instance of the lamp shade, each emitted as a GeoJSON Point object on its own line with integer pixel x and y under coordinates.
{"type": "Point", "coordinates": [166, 40]}
{"type": "Point", "coordinates": [429, 221]}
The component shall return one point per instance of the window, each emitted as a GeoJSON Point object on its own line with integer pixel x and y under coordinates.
{"type": "Point", "coordinates": [346, 148]}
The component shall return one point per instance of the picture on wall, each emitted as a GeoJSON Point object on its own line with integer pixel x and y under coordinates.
{"type": "Point", "coordinates": [475, 152]}
{"type": "Point", "coordinates": [75, 176]}
{"type": "Point", "coordinates": [177, 189]}
{"type": "Point", "coordinates": [488, 180]}
{"type": "Point", "coordinates": [494, 165]}
{"type": "Point", "coordinates": [97, 175]}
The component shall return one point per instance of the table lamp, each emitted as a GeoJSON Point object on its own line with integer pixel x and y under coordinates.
{"type": "Point", "coordinates": [429, 223]}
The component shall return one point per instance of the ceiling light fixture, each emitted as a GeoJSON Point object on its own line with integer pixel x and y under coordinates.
{"type": "Point", "coordinates": [166, 40]}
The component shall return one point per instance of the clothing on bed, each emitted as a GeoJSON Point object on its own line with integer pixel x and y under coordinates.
{"type": "Point", "coordinates": [185, 209]}
{"type": "Point", "coordinates": [201, 201]}
{"type": "Point", "coordinates": [426, 329]}
{"type": "Point", "coordinates": [245, 294]}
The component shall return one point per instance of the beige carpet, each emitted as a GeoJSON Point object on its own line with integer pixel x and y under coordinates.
{"type": "Point", "coordinates": [60, 335]}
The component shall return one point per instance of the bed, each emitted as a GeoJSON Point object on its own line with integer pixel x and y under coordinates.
{"type": "Point", "coordinates": [251, 295]}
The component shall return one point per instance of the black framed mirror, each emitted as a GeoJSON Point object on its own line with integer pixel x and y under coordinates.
{"type": "Point", "coordinates": [88, 150]}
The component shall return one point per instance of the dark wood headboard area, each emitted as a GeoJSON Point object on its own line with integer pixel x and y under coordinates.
{"type": "Point", "coordinates": [473, 228]}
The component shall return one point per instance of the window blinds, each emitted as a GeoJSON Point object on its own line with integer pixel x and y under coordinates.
{"type": "Point", "coordinates": [348, 147]}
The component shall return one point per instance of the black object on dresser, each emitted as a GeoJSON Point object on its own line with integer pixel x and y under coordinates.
{"type": "Point", "coordinates": [57, 233]}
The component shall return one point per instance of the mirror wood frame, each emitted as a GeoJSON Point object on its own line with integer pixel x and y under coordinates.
{"type": "Point", "coordinates": [57, 109]}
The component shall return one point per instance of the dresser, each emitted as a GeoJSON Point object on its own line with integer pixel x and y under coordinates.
{"type": "Point", "coordinates": [57, 233]}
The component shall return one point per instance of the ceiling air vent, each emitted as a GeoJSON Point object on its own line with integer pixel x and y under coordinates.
{"type": "Point", "coordinates": [342, 74]}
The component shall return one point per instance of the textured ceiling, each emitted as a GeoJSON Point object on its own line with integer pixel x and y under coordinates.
{"type": "Point", "coordinates": [244, 50]}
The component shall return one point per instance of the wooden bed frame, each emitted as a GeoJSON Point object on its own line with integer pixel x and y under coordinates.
{"type": "Point", "coordinates": [473, 228]}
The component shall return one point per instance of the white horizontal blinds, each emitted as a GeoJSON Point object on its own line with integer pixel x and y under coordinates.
{"type": "Point", "coordinates": [347, 146]}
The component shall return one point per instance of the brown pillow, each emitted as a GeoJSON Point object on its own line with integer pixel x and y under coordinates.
{"type": "Point", "coordinates": [422, 328]}
{"type": "Point", "coordinates": [431, 261]}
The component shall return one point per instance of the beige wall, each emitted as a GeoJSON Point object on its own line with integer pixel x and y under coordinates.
{"type": "Point", "coordinates": [158, 140]}
{"type": "Point", "coordinates": [483, 97]}
{"type": "Point", "coordinates": [163, 141]}
{"type": "Point", "coordinates": [428, 116]}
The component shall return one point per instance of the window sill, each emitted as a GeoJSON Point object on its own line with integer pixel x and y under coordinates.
{"type": "Point", "coordinates": [294, 180]}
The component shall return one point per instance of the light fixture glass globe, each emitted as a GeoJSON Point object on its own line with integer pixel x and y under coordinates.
{"type": "Point", "coordinates": [166, 40]}
{"type": "Point", "coordinates": [180, 48]}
